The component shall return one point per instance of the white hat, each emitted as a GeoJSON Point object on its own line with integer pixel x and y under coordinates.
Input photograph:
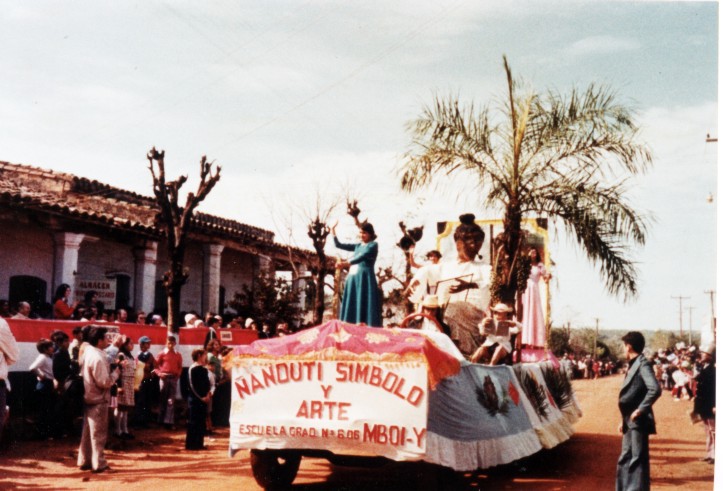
{"type": "Point", "coordinates": [198, 323]}
{"type": "Point", "coordinates": [430, 301]}
{"type": "Point", "coordinates": [501, 307]}
{"type": "Point", "coordinates": [189, 318]}
{"type": "Point", "coordinates": [248, 323]}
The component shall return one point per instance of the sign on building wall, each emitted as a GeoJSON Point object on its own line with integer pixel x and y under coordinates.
{"type": "Point", "coordinates": [104, 287]}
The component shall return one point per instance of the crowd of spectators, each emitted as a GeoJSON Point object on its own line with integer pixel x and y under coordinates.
{"type": "Point", "coordinates": [136, 387]}
{"type": "Point", "coordinates": [586, 367]}
{"type": "Point", "coordinates": [91, 310]}
{"type": "Point", "coordinates": [677, 369]}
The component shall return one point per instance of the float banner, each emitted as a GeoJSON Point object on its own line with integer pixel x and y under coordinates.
{"type": "Point", "coordinates": [346, 406]}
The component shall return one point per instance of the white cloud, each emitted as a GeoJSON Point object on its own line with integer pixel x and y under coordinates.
{"type": "Point", "coordinates": [597, 45]}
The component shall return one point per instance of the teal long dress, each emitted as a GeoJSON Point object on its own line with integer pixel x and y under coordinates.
{"type": "Point", "coordinates": [360, 302]}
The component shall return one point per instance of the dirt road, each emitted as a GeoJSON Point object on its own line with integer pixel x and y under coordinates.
{"type": "Point", "coordinates": [156, 460]}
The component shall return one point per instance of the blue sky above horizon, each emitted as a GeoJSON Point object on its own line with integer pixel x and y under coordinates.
{"type": "Point", "coordinates": [295, 98]}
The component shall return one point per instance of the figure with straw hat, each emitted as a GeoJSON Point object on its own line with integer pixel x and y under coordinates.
{"type": "Point", "coordinates": [497, 331]}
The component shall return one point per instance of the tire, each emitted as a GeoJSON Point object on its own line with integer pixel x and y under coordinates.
{"type": "Point", "coordinates": [275, 468]}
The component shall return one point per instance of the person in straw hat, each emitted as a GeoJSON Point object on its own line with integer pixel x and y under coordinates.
{"type": "Point", "coordinates": [498, 330]}
{"type": "Point", "coordinates": [430, 316]}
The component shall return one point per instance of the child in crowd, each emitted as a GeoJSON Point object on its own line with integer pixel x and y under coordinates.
{"type": "Point", "coordinates": [147, 388]}
{"type": "Point", "coordinates": [170, 365]}
{"type": "Point", "coordinates": [42, 368]}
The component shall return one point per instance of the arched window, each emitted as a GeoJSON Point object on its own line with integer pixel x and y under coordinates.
{"type": "Point", "coordinates": [29, 289]}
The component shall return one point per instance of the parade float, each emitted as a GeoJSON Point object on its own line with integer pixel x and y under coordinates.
{"type": "Point", "coordinates": [341, 391]}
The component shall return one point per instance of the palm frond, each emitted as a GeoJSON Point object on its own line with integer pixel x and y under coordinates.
{"type": "Point", "coordinates": [602, 223]}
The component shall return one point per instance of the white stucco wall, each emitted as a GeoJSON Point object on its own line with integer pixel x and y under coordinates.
{"type": "Point", "coordinates": [25, 249]}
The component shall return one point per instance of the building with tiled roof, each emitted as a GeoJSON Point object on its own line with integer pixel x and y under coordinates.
{"type": "Point", "coordinates": [60, 228]}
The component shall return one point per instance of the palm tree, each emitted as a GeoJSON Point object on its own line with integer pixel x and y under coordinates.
{"type": "Point", "coordinates": [566, 157]}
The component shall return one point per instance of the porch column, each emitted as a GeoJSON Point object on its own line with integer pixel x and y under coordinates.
{"type": "Point", "coordinates": [211, 277]}
{"type": "Point", "coordinates": [65, 258]}
{"type": "Point", "coordinates": [144, 281]}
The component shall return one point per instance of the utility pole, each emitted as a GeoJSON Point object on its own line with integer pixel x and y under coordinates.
{"type": "Point", "coordinates": [712, 310]}
{"type": "Point", "coordinates": [690, 325]}
{"type": "Point", "coordinates": [680, 310]}
{"type": "Point", "coordinates": [594, 346]}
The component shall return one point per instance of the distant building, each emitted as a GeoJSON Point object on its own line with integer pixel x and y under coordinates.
{"type": "Point", "coordinates": [60, 228]}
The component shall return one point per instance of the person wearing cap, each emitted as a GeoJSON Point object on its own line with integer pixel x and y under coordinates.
{"type": "Point", "coordinates": [250, 324]}
{"type": "Point", "coordinates": [499, 344]}
{"type": "Point", "coordinates": [360, 303]}
{"type": "Point", "coordinates": [149, 384]}
{"type": "Point", "coordinates": [639, 392]}
{"type": "Point", "coordinates": [704, 402]}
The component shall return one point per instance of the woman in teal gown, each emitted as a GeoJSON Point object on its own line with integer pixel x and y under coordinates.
{"type": "Point", "coordinates": [360, 303]}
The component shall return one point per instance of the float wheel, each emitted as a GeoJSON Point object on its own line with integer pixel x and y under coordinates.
{"type": "Point", "coordinates": [275, 468]}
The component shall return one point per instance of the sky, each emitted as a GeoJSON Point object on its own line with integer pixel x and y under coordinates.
{"type": "Point", "coordinates": [303, 102]}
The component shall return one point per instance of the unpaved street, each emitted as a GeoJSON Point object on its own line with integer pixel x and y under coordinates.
{"type": "Point", "coordinates": [156, 460]}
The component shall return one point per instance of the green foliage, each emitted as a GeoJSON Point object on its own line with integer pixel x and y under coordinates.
{"type": "Point", "coordinates": [559, 342]}
{"type": "Point", "coordinates": [270, 299]}
{"type": "Point", "coordinates": [668, 339]}
{"type": "Point", "coordinates": [582, 340]}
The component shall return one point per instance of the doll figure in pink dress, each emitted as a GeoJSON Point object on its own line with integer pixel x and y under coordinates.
{"type": "Point", "coordinates": [534, 331]}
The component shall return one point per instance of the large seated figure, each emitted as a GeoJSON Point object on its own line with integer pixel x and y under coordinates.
{"type": "Point", "coordinates": [461, 285]}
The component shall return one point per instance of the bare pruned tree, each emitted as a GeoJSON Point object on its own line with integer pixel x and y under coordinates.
{"type": "Point", "coordinates": [318, 231]}
{"type": "Point", "coordinates": [176, 221]}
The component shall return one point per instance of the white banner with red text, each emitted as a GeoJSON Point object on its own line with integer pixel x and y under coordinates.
{"type": "Point", "coordinates": [347, 407]}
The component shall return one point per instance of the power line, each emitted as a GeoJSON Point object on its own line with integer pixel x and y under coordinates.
{"type": "Point", "coordinates": [350, 75]}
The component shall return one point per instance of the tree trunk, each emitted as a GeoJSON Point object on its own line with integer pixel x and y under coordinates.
{"type": "Point", "coordinates": [173, 296]}
{"type": "Point", "coordinates": [176, 278]}
{"type": "Point", "coordinates": [512, 225]}
{"type": "Point", "coordinates": [319, 297]}
{"type": "Point", "coordinates": [408, 306]}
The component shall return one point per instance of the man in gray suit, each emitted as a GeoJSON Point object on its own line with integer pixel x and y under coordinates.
{"type": "Point", "coordinates": [637, 395]}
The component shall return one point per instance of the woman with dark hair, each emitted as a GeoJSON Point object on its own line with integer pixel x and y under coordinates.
{"type": "Point", "coordinates": [534, 333]}
{"type": "Point", "coordinates": [360, 303]}
{"type": "Point", "coordinates": [461, 285]}
{"type": "Point", "coordinates": [62, 310]}
{"type": "Point", "coordinates": [464, 279]}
